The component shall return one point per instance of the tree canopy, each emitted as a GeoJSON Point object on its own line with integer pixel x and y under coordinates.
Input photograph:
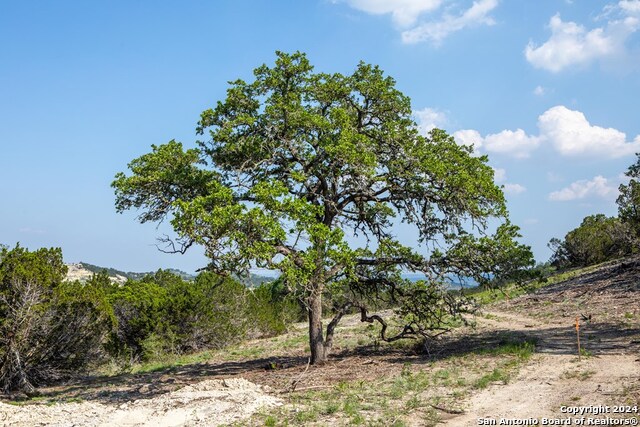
{"type": "Point", "coordinates": [309, 174]}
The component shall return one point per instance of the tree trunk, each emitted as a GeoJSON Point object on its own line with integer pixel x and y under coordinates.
{"type": "Point", "coordinates": [316, 339]}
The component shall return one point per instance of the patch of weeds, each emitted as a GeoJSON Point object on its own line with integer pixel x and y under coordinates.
{"type": "Point", "coordinates": [306, 415]}
{"type": "Point", "coordinates": [357, 419]}
{"type": "Point", "coordinates": [270, 421]}
{"type": "Point", "coordinates": [523, 350]}
{"type": "Point", "coordinates": [442, 376]}
{"type": "Point", "coordinates": [351, 406]}
{"type": "Point", "coordinates": [582, 376]}
{"type": "Point", "coordinates": [585, 353]}
{"type": "Point", "coordinates": [330, 408]}
{"type": "Point", "coordinates": [293, 342]}
{"type": "Point", "coordinates": [497, 375]}
{"type": "Point", "coordinates": [461, 382]}
{"type": "Point", "coordinates": [414, 402]}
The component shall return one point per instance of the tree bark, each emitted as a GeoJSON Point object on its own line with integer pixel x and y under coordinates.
{"type": "Point", "coordinates": [316, 339]}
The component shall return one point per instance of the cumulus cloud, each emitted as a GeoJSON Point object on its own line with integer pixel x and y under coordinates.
{"type": "Point", "coordinates": [436, 31]}
{"type": "Point", "coordinates": [567, 131]}
{"type": "Point", "coordinates": [571, 44]}
{"type": "Point", "coordinates": [630, 6]}
{"type": "Point", "coordinates": [571, 134]}
{"type": "Point", "coordinates": [469, 137]}
{"type": "Point", "coordinates": [514, 143]}
{"type": "Point", "coordinates": [403, 12]}
{"type": "Point", "coordinates": [514, 188]}
{"type": "Point", "coordinates": [408, 16]}
{"type": "Point", "coordinates": [429, 118]}
{"type": "Point", "coordinates": [598, 187]}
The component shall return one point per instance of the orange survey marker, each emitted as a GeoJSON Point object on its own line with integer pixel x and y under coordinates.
{"type": "Point", "coordinates": [578, 334]}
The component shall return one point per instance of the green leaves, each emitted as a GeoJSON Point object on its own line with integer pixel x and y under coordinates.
{"type": "Point", "coordinates": [629, 199]}
{"type": "Point", "coordinates": [295, 161]}
{"type": "Point", "coordinates": [159, 179]}
{"type": "Point", "coordinates": [598, 238]}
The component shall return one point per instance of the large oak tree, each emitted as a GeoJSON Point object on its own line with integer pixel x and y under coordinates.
{"type": "Point", "coordinates": [310, 174]}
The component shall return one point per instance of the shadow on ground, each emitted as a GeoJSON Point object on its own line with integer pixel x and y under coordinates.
{"type": "Point", "coordinates": [362, 363]}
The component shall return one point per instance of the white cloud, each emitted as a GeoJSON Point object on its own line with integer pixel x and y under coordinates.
{"type": "Point", "coordinates": [403, 12]}
{"type": "Point", "coordinates": [469, 137]}
{"type": "Point", "coordinates": [571, 134]}
{"type": "Point", "coordinates": [571, 44]}
{"type": "Point", "coordinates": [435, 32]}
{"type": "Point", "coordinates": [539, 91]}
{"type": "Point", "coordinates": [513, 143]}
{"type": "Point", "coordinates": [567, 131]}
{"type": "Point", "coordinates": [429, 118]}
{"type": "Point", "coordinates": [599, 187]}
{"type": "Point", "coordinates": [630, 6]}
{"type": "Point", "coordinates": [517, 144]}
{"type": "Point", "coordinates": [499, 175]}
{"type": "Point", "coordinates": [514, 188]}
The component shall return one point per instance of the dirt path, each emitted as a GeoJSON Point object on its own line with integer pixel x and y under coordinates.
{"type": "Point", "coordinates": [555, 377]}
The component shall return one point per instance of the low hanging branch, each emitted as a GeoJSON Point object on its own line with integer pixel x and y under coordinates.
{"type": "Point", "coordinates": [407, 332]}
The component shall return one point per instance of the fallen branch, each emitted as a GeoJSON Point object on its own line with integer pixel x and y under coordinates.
{"type": "Point", "coordinates": [448, 411]}
{"type": "Point", "coordinates": [292, 386]}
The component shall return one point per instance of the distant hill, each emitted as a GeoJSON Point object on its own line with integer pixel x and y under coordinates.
{"type": "Point", "coordinates": [256, 280]}
{"type": "Point", "coordinates": [82, 271]}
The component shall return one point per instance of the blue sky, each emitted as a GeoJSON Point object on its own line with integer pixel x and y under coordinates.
{"type": "Point", "coordinates": [548, 89]}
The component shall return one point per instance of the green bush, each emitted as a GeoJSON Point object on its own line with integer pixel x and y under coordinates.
{"type": "Point", "coordinates": [204, 313]}
{"type": "Point", "coordinates": [164, 314]}
{"type": "Point", "coordinates": [272, 309]}
{"type": "Point", "coordinates": [597, 239]}
{"type": "Point", "coordinates": [49, 329]}
{"type": "Point", "coordinates": [139, 307]}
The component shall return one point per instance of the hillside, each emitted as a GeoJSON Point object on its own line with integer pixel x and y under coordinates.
{"type": "Point", "coordinates": [83, 271]}
{"type": "Point", "coordinates": [518, 361]}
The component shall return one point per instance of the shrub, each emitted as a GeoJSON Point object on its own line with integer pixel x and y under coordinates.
{"type": "Point", "coordinates": [272, 309]}
{"type": "Point", "coordinates": [49, 329]}
{"type": "Point", "coordinates": [139, 309]}
{"type": "Point", "coordinates": [597, 239]}
{"type": "Point", "coordinates": [163, 313]}
{"type": "Point", "coordinates": [204, 313]}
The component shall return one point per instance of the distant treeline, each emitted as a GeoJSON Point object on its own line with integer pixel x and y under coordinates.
{"type": "Point", "coordinates": [253, 280]}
